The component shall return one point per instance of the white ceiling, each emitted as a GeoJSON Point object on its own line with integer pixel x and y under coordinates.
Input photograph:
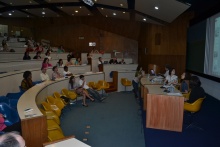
{"type": "Point", "coordinates": [168, 10]}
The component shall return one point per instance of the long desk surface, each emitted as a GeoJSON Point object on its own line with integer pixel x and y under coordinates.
{"type": "Point", "coordinates": [163, 110]}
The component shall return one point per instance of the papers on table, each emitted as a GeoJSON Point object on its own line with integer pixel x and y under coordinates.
{"type": "Point", "coordinates": [175, 94]}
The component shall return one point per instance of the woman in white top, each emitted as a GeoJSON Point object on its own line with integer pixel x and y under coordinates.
{"type": "Point", "coordinates": [44, 76]}
{"type": "Point", "coordinates": [171, 79]}
{"type": "Point", "coordinates": [73, 85]}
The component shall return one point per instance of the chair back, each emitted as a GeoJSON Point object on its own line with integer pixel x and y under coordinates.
{"type": "Point", "coordinates": [125, 82]}
{"type": "Point", "coordinates": [56, 94]}
{"type": "Point", "coordinates": [51, 100]}
{"type": "Point", "coordinates": [194, 107]}
{"type": "Point", "coordinates": [65, 91]}
{"type": "Point", "coordinates": [46, 106]}
{"type": "Point", "coordinates": [10, 114]}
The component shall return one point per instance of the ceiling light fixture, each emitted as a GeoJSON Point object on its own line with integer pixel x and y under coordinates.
{"type": "Point", "coordinates": [156, 7]}
{"type": "Point", "coordinates": [76, 11]}
{"type": "Point", "coordinates": [43, 13]}
{"type": "Point", "coordinates": [121, 5]}
{"type": "Point", "coordinates": [124, 12]}
{"type": "Point", "coordinates": [88, 2]}
{"type": "Point", "coordinates": [61, 7]}
{"type": "Point", "coordinates": [9, 14]}
{"type": "Point", "coordinates": [144, 19]}
{"type": "Point", "coordinates": [30, 2]}
{"type": "Point", "coordinates": [102, 8]}
{"type": "Point", "coordinates": [114, 13]}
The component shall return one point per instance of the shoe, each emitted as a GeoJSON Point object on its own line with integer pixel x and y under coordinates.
{"type": "Point", "coordinates": [102, 99]}
{"type": "Point", "coordinates": [92, 100]}
{"type": "Point", "coordinates": [85, 105]}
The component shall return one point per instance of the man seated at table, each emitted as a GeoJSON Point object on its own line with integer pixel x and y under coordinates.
{"type": "Point", "coordinates": [66, 72]}
{"type": "Point", "coordinates": [122, 61]}
{"type": "Point", "coordinates": [113, 61]}
{"type": "Point", "coordinates": [91, 91]}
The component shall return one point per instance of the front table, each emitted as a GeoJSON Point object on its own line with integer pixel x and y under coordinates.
{"type": "Point", "coordinates": [164, 111]}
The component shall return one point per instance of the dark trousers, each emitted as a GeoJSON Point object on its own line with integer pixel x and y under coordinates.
{"type": "Point", "coordinates": [135, 86]}
{"type": "Point", "coordinates": [94, 94]}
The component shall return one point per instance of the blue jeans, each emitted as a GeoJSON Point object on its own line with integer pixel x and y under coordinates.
{"type": "Point", "coordinates": [94, 94]}
{"type": "Point", "coordinates": [135, 86]}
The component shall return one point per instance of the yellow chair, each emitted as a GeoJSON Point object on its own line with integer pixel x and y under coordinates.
{"type": "Point", "coordinates": [125, 82]}
{"type": "Point", "coordinates": [56, 102]}
{"type": "Point", "coordinates": [51, 124]}
{"type": "Point", "coordinates": [49, 107]}
{"type": "Point", "coordinates": [70, 94]}
{"type": "Point", "coordinates": [57, 95]}
{"type": "Point", "coordinates": [55, 134]}
{"type": "Point", "coordinates": [102, 85]}
{"type": "Point", "coordinates": [94, 86]}
{"type": "Point", "coordinates": [193, 108]}
{"type": "Point", "coordinates": [51, 115]}
{"type": "Point", "coordinates": [186, 95]}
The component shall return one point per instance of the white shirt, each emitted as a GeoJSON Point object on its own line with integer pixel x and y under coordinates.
{"type": "Point", "coordinates": [44, 77]}
{"type": "Point", "coordinates": [171, 79]}
{"type": "Point", "coordinates": [85, 85]}
{"type": "Point", "coordinates": [65, 73]}
{"type": "Point", "coordinates": [99, 62]}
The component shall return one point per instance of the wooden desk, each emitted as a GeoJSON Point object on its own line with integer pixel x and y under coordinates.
{"type": "Point", "coordinates": [70, 142]}
{"type": "Point", "coordinates": [163, 111]}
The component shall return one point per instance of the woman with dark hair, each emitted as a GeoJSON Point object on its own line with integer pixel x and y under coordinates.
{"type": "Point", "coordinates": [184, 86]}
{"type": "Point", "coordinates": [196, 90]}
{"type": "Point", "coordinates": [27, 81]}
{"type": "Point", "coordinates": [26, 56]}
{"type": "Point", "coordinates": [73, 85]}
{"type": "Point", "coordinates": [37, 56]}
{"type": "Point", "coordinates": [171, 79]}
{"type": "Point", "coordinates": [56, 74]}
{"type": "Point", "coordinates": [135, 81]}
{"type": "Point", "coordinates": [60, 63]}
{"type": "Point", "coordinates": [46, 63]}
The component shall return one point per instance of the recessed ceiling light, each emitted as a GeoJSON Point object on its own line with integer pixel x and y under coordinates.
{"type": "Point", "coordinates": [95, 0]}
{"type": "Point", "coordinates": [43, 13]}
{"type": "Point", "coordinates": [124, 12]}
{"type": "Point", "coordinates": [26, 9]}
{"type": "Point", "coordinates": [144, 19]}
{"type": "Point", "coordinates": [9, 14]}
{"type": "Point", "coordinates": [114, 13]}
{"type": "Point", "coordinates": [106, 15]}
{"type": "Point", "coordinates": [13, 11]}
{"type": "Point", "coordinates": [27, 15]}
{"type": "Point", "coordinates": [121, 5]}
{"type": "Point", "coordinates": [156, 7]}
{"type": "Point", "coordinates": [43, 16]}
{"type": "Point", "coordinates": [10, 3]}
{"type": "Point", "coordinates": [80, 7]}
{"type": "Point", "coordinates": [102, 8]}
{"type": "Point", "coordinates": [43, 8]}
{"type": "Point", "coordinates": [76, 11]}
{"type": "Point", "coordinates": [61, 7]}
{"type": "Point", "coordinates": [72, 14]}
{"type": "Point", "coordinates": [88, 14]}
{"type": "Point", "coordinates": [30, 2]}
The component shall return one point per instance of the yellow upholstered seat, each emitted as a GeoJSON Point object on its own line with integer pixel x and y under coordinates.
{"type": "Point", "coordinates": [55, 134]}
{"type": "Point", "coordinates": [70, 94]}
{"type": "Point", "coordinates": [57, 95]}
{"type": "Point", "coordinates": [51, 124]}
{"type": "Point", "coordinates": [51, 115]}
{"type": "Point", "coordinates": [193, 107]}
{"type": "Point", "coordinates": [59, 103]}
{"type": "Point", "coordinates": [94, 86]}
{"type": "Point", "coordinates": [125, 82]}
{"type": "Point", "coordinates": [50, 107]}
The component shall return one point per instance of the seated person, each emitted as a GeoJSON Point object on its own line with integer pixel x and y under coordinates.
{"type": "Point", "coordinates": [113, 61]}
{"type": "Point", "coordinates": [5, 45]}
{"type": "Point", "coordinates": [37, 56]}
{"type": "Point", "coordinates": [171, 79]}
{"type": "Point", "coordinates": [91, 91]}
{"type": "Point", "coordinates": [122, 61]}
{"type": "Point", "coordinates": [39, 48]}
{"type": "Point", "coordinates": [46, 63]}
{"type": "Point", "coordinates": [44, 76]}
{"type": "Point", "coordinates": [69, 62]}
{"type": "Point", "coordinates": [47, 55]}
{"type": "Point", "coordinates": [56, 74]}
{"type": "Point", "coordinates": [100, 62]}
{"type": "Point", "coordinates": [26, 56]}
{"type": "Point", "coordinates": [71, 55]}
{"type": "Point", "coordinates": [60, 49]}
{"type": "Point", "coordinates": [196, 90]}
{"type": "Point", "coordinates": [29, 48]}
{"type": "Point", "coordinates": [167, 68]}
{"type": "Point", "coordinates": [184, 87]}
{"type": "Point", "coordinates": [66, 72]}
{"type": "Point", "coordinates": [60, 63]}
{"type": "Point", "coordinates": [12, 139]}
{"type": "Point", "coordinates": [78, 61]}
{"type": "Point", "coordinates": [73, 85]}
{"type": "Point", "coordinates": [27, 81]}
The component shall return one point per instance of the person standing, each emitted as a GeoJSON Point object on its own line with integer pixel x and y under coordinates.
{"type": "Point", "coordinates": [135, 81]}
